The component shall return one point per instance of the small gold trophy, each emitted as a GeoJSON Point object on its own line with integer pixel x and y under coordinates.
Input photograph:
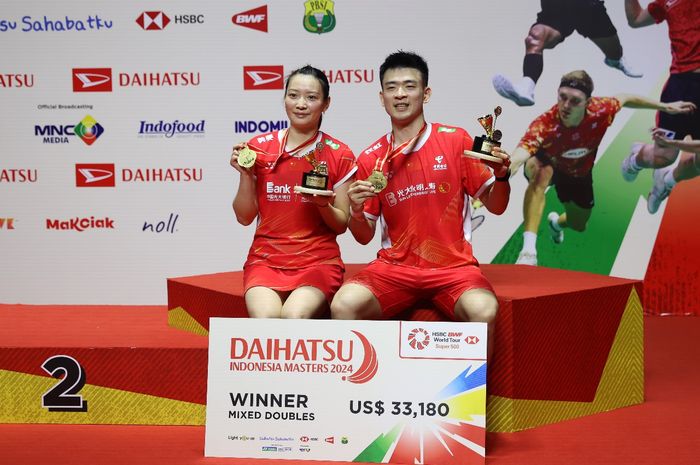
{"type": "Point", "coordinates": [316, 180]}
{"type": "Point", "coordinates": [246, 157]}
{"type": "Point", "coordinates": [484, 144]}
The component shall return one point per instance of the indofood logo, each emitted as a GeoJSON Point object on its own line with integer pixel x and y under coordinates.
{"type": "Point", "coordinates": [319, 16]}
{"type": "Point", "coordinates": [88, 130]}
{"type": "Point", "coordinates": [323, 356]}
{"type": "Point", "coordinates": [172, 128]}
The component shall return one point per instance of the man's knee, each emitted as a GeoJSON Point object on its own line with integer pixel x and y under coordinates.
{"type": "Point", "coordinates": [534, 42]}
{"type": "Point", "coordinates": [477, 305]}
{"type": "Point", "coordinates": [345, 305]}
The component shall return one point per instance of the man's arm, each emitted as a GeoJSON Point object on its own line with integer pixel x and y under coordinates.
{"type": "Point", "coordinates": [361, 228]}
{"type": "Point", "coordinates": [674, 108]}
{"type": "Point", "coordinates": [519, 157]}
{"type": "Point", "coordinates": [496, 197]}
{"type": "Point", "coordinates": [636, 15]}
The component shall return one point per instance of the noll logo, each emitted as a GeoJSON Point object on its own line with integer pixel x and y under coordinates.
{"type": "Point", "coordinates": [418, 338]}
{"type": "Point", "coordinates": [92, 79]}
{"type": "Point", "coordinates": [252, 19]}
{"type": "Point", "coordinates": [153, 20]}
{"type": "Point", "coordinates": [319, 16]}
{"type": "Point", "coordinates": [7, 223]}
{"type": "Point", "coordinates": [471, 340]}
{"type": "Point", "coordinates": [263, 77]}
{"type": "Point", "coordinates": [94, 175]}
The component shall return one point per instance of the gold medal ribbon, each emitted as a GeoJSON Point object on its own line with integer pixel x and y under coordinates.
{"type": "Point", "coordinates": [392, 152]}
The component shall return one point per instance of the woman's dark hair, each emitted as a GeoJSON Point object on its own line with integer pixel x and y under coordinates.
{"type": "Point", "coordinates": [311, 71]}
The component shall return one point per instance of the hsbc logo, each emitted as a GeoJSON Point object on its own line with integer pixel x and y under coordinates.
{"type": "Point", "coordinates": [471, 340]}
{"type": "Point", "coordinates": [94, 175]}
{"type": "Point", "coordinates": [92, 79]}
{"type": "Point", "coordinates": [252, 19]}
{"type": "Point", "coordinates": [153, 20]}
{"type": "Point", "coordinates": [263, 77]}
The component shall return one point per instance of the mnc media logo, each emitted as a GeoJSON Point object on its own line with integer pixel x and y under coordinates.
{"type": "Point", "coordinates": [263, 77]}
{"type": "Point", "coordinates": [92, 79]}
{"type": "Point", "coordinates": [88, 130]}
{"type": "Point", "coordinates": [252, 19]}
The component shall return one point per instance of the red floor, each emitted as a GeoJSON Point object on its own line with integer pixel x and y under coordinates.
{"type": "Point", "coordinates": [662, 431]}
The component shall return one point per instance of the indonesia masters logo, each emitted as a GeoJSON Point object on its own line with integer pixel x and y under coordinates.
{"type": "Point", "coordinates": [319, 16]}
{"type": "Point", "coordinates": [418, 338]}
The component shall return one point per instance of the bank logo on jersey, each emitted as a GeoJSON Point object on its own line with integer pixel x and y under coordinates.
{"type": "Point", "coordinates": [574, 154]}
{"type": "Point", "coordinates": [440, 163]}
{"type": "Point", "coordinates": [319, 16]}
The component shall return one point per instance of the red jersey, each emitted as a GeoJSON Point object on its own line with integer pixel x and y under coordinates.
{"type": "Point", "coordinates": [290, 232]}
{"type": "Point", "coordinates": [683, 17]}
{"type": "Point", "coordinates": [571, 150]}
{"type": "Point", "coordinates": [424, 209]}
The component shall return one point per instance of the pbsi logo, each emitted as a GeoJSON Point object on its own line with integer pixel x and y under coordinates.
{"type": "Point", "coordinates": [252, 19]}
{"type": "Point", "coordinates": [94, 175]}
{"type": "Point", "coordinates": [153, 20]}
{"type": "Point", "coordinates": [263, 77]}
{"type": "Point", "coordinates": [92, 79]}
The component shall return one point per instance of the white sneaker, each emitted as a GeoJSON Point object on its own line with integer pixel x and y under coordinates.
{"type": "Point", "coordinates": [506, 89]}
{"type": "Point", "coordinates": [660, 191]}
{"type": "Point", "coordinates": [554, 229]}
{"type": "Point", "coordinates": [623, 66]}
{"type": "Point", "coordinates": [527, 258]}
{"type": "Point", "coordinates": [629, 170]}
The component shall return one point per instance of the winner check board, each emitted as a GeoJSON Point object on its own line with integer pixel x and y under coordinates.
{"type": "Point", "coordinates": [366, 391]}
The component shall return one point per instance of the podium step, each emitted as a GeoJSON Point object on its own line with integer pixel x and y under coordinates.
{"type": "Point", "coordinates": [566, 343]}
{"type": "Point", "coordinates": [117, 365]}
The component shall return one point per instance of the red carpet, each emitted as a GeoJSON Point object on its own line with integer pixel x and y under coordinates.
{"type": "Point", "coordinates": [663, 430]}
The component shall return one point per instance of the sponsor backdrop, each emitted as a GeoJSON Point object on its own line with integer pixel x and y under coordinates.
{"type": "Point", "coordinates": [118, 120]}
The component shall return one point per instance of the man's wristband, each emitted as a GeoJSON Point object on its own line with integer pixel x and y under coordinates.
{"type": "Point", "coordinates": [504, 178]}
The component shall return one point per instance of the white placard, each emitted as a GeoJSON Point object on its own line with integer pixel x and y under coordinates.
{"type": "Point", "coordinates": [368, 391]}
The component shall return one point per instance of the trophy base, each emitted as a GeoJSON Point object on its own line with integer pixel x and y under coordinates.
{"type": "Point", "coordinates": [308, 190]}
{"type": "Point", "coordinates": [482, 156]}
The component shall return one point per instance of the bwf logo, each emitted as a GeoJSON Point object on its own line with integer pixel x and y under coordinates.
{"type": "Point", "coordinates": [252, 19]}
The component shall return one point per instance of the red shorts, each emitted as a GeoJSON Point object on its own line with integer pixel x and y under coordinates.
{"type": "Point", "coordinates": [397, 287]}
{"type": "Point", "coordinates": [326, 278]}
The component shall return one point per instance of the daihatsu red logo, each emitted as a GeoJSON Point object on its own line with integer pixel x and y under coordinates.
{"type": "Point", "coordinates": [92, 79]}
{"type": "Point", "coordinates": [94, 175]}
{"type": "Point", "coordinates": [263, 77]}
{"type": "Point", "coordinates": [252, 19]}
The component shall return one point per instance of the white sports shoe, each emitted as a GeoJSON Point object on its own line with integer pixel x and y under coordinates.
{"type": "Point", "coordinates": [526, 258]}
{"type": "Point", "coordinates": [506, 89]}
{"type": "Point", "coordinates": [623, 66]}
{"type": "Point", "coordinates": [629, 171]}
{"type": "Point", "coordinates": [556, 232]}
{"type": "Point", "coordinates": [660, 191]}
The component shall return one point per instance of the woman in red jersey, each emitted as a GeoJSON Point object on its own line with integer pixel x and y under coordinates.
{"type": "Point", "coordinates": [294, 265]}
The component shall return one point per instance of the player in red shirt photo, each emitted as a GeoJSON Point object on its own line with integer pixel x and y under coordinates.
{"type": "Point", "coordinates": [416, 182]}
{"type": "Point", "coordinates": [683, 18]}
{"type": "Point", "coordinates": [294, 265]}
{"type": "Point", "coordinates": [559, 149]}
{"type": "Point", "coordinates": [556, 21]}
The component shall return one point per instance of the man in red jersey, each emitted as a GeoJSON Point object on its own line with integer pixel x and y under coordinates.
{"type": "Point", "coordinates": [560, 147]}
{"type": "Point", "coordinates": [416, 181]}
{"type": "Point", "coordinates": [683, 18]}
